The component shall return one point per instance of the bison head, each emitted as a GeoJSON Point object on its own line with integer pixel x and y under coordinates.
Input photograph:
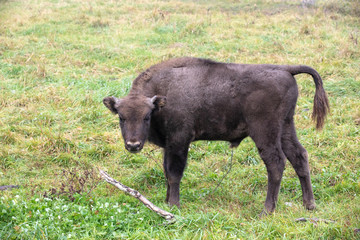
{"type": "Point", "coordinates": [134, 112]}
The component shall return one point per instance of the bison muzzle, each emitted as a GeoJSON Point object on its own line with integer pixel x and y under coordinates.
{"type": "Point", "coordinates": [187, 99]}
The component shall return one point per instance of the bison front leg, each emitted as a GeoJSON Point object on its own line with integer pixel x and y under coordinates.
{"type": "Point", "coordinates": [174, 164]}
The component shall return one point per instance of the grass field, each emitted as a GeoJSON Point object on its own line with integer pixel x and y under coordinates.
{"type": "Point", "coordinates": [60, 58]}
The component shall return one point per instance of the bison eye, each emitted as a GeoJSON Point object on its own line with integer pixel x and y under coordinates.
{"type": "Point", "coordinates": [122, 120]}
{"type": "Point", "coordinates": [147, 118]}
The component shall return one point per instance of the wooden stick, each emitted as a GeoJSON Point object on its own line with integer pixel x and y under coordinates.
{"type": "Point", "coordinates": [168, 216]}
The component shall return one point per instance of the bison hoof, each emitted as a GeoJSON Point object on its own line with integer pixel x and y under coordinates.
{"type": "Point", "coordinates": [310, 206]}
{"type": "Point", "coordinates": [264, 213]}
{"type": "Point", "coordinates": [172, 204]}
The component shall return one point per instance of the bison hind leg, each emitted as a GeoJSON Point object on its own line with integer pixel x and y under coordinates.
{"type": "Point", "coordinates": [298, 157]}
{"type": "Point", "coordinates": [267, 137]}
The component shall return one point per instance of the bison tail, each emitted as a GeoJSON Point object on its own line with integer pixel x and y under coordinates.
{"type": "Point", "coordinates": [321, 102]}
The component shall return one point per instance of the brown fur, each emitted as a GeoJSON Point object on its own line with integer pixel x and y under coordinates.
{"type": "Point", "coordinates": [186, 99]}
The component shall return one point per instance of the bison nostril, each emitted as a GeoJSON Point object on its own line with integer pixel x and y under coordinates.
{"type": "Point", "coordinates": [133, 145]}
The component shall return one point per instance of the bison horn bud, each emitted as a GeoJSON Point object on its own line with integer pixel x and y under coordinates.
{"type": "Point", "coordinates": [158, 101]}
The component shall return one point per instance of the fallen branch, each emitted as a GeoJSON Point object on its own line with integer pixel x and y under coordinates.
{"type": "Point", "coordinates": [168, 216]}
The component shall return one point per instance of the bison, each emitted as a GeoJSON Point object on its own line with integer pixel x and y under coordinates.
{"type": "Point", "coordinates": [182, 100]}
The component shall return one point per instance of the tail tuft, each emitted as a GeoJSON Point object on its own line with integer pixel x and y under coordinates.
{"type": "Point", "coordinates": [321, 107]}
{"type": "Point", "coordinates": [321, 103]}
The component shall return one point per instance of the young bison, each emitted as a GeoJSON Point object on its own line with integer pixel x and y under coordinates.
{"type": "Point", "coordinates": [182, 100]}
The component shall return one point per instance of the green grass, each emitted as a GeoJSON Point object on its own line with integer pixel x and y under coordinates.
{"type": "Point", "coordinates": [58, 59]}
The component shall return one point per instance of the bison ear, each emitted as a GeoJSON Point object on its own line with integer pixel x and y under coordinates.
{"type": "Point", "coordinates": [158, 101]}
{"type": "Point", "coordinates": [112, 103]}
